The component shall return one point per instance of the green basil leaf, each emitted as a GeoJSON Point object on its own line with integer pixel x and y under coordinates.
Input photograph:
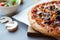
{"type": "Point", "coordinates": [13, 0]}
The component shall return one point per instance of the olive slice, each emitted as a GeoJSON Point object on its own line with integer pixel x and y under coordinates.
{"type": "Point", "coordinates": [58, 12]}
{"type": "Point", "coordinates": [58, 18]}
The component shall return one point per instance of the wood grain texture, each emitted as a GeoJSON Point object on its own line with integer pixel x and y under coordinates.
{"type": "Point", "coordinates": [33, 33]}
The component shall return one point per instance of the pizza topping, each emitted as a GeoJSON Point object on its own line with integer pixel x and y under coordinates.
{"type": "Point", "coordinates": [34, 16]}
{"type": "Point", "coordinates": [58, 23]}
{"type": "Point", "coordinates": [51, 30]}
{"type": "Point", "coordinates": [38, 12]}
{"type": "Point", "coordinates": [34, 10]}
{"type": "Point", "coordinates": [58, 12]}
{"type": "Point", "coordinates": [48, 22]}
{"type": "Point", "coordinates": [45, 22]}
{"type": "Point", "coordinates": [47, 14]}
{"type": "Point", "coordinates": [58, 18]}
{"type": "Point", "coordinates": [40, 15]}
{"type": "Point", "coordinates": [48, 18]}
{"type": "Point", "coordinates": [52, 7]}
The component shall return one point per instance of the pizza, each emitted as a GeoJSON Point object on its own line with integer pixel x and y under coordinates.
{"type": "Point", "coordinates": [45, 18]}
{"type": "Point", "coordinates": [54, 0]}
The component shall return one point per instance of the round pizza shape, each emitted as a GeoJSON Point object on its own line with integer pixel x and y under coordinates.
{"type": "Point", "coordinates": [45, 18]}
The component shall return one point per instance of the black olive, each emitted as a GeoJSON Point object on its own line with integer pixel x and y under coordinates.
{"type": "Point", "coordinates": [58, 18]}
{"type": "Point", "coordinates": [40, 14]}
{"type": "Point", "coordinates": [58, 12]}
{"type": "Point", "coordinates": [45, 22]}
{"type": "Point", "coordinates": [56, 8]}
{"type": "Point", "coordinates": [52, 7]}
{"type": "Point", "coordinates": [48, 18]}
{"type": "Point", "coordinates": [47, 15]}
{"type": "Point", "coordinates": [48, 22]}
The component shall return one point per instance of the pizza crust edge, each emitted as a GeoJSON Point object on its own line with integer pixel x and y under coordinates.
{"type": "Point", "coordinates": [40, 29]}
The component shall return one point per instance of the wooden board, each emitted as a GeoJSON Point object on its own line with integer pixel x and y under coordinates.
{"type": "Point", "coordinates": [32, 33]}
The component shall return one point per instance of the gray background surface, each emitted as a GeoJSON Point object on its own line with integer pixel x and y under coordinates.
{"type": "Point", "coordinates": [21, 33]}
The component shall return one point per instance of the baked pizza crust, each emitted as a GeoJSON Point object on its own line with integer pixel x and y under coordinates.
{"type": "Point", "coordinates": [39, 28]}
{"type": "Point", "coordinates": [54, 0]}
